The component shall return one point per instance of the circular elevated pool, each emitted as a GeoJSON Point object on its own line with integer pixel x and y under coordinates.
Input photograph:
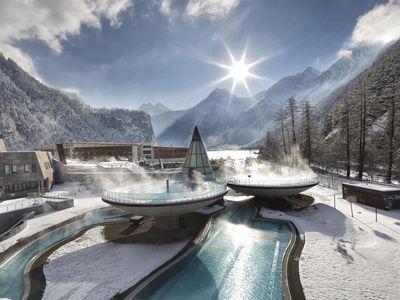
{"type": "Point", "coordinates": [261, 186]}
{"type": "Point", "coordinates": [165, 198]}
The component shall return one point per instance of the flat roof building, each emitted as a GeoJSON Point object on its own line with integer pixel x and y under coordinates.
{"type": "Point", "coordinates": [22, 173]}
{"type": "Point", "coordinates": [104, 151]}
{"type": "Point", "coordinates": [380, 195]}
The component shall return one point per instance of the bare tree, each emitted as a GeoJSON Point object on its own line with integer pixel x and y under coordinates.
{"type": "Point", "coordinates": [307, 130]}
{"type": "Point", "coordinates": [362, 132]}
{"type": "Point", "coordinates": [347, 128]}
{"type": "Point", "coordinates": [391, 135]}
{"type": "Point", "coordinates": [270, 151]}
{"type": "Point", "coordinates": [292, 110]}
{"type": "Point", "coordinates": [280, 121]}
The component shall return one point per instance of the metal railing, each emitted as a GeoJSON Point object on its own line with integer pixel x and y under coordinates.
{"type": "Point", "coordinates": [273, 183]}
{"type": "Point", "coordinates": [210, 191]}
{"type": "Point", "coordinates": [57, 195]}
{"type": "Point", "coordinates": [334, 182]}
{"type": "Point", "coordinates": [20, 205]}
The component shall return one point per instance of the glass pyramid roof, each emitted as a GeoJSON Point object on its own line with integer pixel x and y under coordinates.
{"type": "Point", "coordinates": [197, 159]}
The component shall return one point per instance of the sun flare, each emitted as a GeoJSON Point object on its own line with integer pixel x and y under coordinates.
{"type": "Point", "coordinates": [239, 70]}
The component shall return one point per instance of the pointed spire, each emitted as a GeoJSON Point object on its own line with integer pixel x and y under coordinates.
{"type": "Point", "coordinates": [196, 134]}
{"type": "Point", "coordinates": [197, 159]}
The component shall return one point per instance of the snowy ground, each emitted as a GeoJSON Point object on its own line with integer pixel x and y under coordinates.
{"type": "Point", "coordinates": [92, 268]}
{"type": "Point", "coordinates": [347, 257]}
{"type": "Point", "coordinates": [85, 201]}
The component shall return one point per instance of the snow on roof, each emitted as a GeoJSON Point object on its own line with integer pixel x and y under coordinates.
{"type": "Point", "coordinates": [375, 186]}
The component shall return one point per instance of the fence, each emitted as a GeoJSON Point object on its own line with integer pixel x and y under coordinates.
{"type": "Point", "coordinates": [57, 195]}
{"type": "Point", "coordinates": [333, 182]}
{"type": "Point", "coordinates": [20, 205]}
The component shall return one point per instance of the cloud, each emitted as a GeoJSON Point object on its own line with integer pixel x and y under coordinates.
{"type": "Point", "coordinates": [52, 22]}
{"type": "Point", "coordinates": [344, 53]}
{"type": "Point", "coordinates": [379, 26]}
{"type": "Point", "coordinates": [24, 61]}
{"type": "Point", "coordinates": [213, 9]}
{"type": "Point", "coordinates": [165, 8]}
{"type": "Point", "coordinates": [376, 28]}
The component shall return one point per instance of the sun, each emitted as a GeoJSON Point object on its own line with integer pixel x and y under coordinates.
{"type": "Point", "coordinates": [239, 71]}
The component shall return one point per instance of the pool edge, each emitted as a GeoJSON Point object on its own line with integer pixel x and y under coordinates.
{"type": "Point", "coordinates": [191, 246]}
{"type": "Point", "coordinates": [291, 283]}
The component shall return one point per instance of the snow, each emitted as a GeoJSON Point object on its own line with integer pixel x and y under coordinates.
{"type": "Point", "coordinates": [376, 186]}
{"type": "Point", "coordinates": [92, 268]}
{"type": "Point", "coordinates": [85, 201]}
{"type": "Point", "coordinates": [346, 257]}
{"type": "Point", "coordinates": [233, 154]}
{"type": "Point", "coordinates": [135, 168]}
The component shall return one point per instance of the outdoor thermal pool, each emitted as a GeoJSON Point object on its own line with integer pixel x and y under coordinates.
{"type": "Point", "coordinates": [12, 269]}
{"type": "Point", "coordinates": [240, 258]}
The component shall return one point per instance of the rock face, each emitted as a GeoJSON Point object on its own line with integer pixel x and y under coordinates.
{"type": "Point", "coordinates": [33, 114]}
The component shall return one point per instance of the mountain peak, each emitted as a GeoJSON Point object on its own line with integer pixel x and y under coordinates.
{"type": "Point", "coordinates": [220, 92]}
{"type": "Point", "coordinates": [311, 71]}
{"type": "Point", "coordinates": [153, 109]}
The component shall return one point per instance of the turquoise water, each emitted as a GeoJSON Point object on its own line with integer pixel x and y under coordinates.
{"type": "Point", "coordinates": [11, 272]}
{"type": "Point", "coordinates": [241, 258]}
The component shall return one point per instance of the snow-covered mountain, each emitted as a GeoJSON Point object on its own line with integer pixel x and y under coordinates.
{"type": "Point", "coordinates": [308, 85]}
{"type": "Point", "coordinates": [215, 116]}
{"type": "Point", "coordinates": [380, 81]}
{"type": "Point", "coordinates": [339, 73]}
{"type": "Point", "coordinates": [153, 109]}
{"type": "Point", "coordinates": [33, 114]}
{"type": "Point", "coordinates": [162, 121]}
{"type": "Point", "coordinates": [256, 120]}
{"type": "Point", "coordinates": [245, 121]}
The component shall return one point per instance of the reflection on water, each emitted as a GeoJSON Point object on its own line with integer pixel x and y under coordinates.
{"type": "Point", "coordinates": [241, 258]}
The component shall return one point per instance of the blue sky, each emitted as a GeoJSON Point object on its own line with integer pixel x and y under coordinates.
{"type": "Point", "coordinates": [147, 52]}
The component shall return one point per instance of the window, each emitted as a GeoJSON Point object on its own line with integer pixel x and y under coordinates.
{"type": "Point", "coordinates": [14, 169]}
{"type": "Point", "coordinates": [7, 169]}
{"type": "Point", "coordinates": [27, 168]}
{"type": "Point", "coordinates": [33, 168]}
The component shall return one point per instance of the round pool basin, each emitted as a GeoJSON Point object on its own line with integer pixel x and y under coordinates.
{"type": "Point", "coordinates": [156, 199]}
{"type": "Point", "coordinates": [267, 187]}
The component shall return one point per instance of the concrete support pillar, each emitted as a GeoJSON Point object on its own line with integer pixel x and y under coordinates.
{"type": "Point", "coordinates": [167, 223]}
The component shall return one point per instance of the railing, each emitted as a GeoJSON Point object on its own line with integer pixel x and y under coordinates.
{"type": "Point", "coordinates": [334, 182]}
{"type": "Point", "coordinates": [57, 195]}
{"type": "Point", "coordinates": [273, 183]}
{"type": "Point", "coordinates": [212, 190]}
{"type": "Point", "coordinates": [20, 205]}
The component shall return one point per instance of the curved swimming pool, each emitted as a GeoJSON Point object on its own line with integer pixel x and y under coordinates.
{"type": "Point", "coordinates": [12, 270]}
{"type": "Point", "coordinates": [241, 258]}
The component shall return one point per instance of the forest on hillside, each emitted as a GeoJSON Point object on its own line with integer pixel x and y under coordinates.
{"type": "Point", "coordinates": [359, 137]}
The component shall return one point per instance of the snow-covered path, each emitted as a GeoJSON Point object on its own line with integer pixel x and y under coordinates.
{"type": "Point", "coordinates": [90, 267]}
{"type": "Point", "coordinates": [85, 201]}
{"type": "Point", "coordinates": [347, 257]}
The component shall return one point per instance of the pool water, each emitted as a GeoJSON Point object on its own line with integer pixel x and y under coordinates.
{"type": "Point", "coordinates": [241, 258]}
{"type": "Point", "coordinates": [11, 271]}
